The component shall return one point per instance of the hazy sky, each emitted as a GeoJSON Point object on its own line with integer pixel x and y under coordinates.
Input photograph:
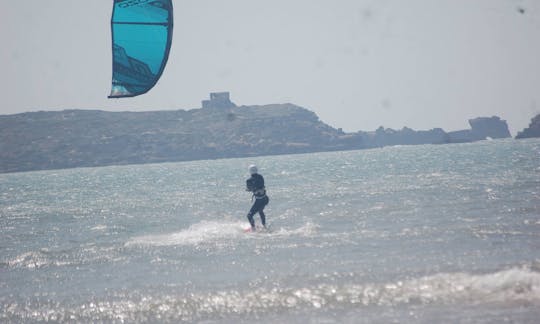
{"type": "Point", "coordinates": [358, 64]}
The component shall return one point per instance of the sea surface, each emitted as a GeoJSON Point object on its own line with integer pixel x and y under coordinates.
{"type": "Point", "coordinates": [430, 233]}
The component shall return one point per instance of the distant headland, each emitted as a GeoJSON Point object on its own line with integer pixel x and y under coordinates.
{"type": "Point", "coordinates": [220, 129]}
{"type": "Point", "coordinates": [533, 130]}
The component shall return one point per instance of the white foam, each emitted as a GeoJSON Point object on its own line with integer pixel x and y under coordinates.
{"type": "Point", "coordinates": [307, 229]}
{"type": "Point", "coordinates": [215, 231]}
{"type": "Point", "coordinates": [99, 227]}
{"type": "Point", "coordinates": [29, 260]}
{"type": "Point", "coordinates": [204, 231]}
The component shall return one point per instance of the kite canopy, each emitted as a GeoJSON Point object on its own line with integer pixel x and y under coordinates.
{"type": "Point", "coordinates": [141, 40]}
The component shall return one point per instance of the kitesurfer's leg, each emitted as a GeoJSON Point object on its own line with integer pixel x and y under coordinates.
{"type": "Point", "coordinates": [254, 209]}
{"type": "Point", "coordinates": [263, 218]}
{"type": "Point", "coordinates": [251, 220]}
{"type": "Point", "coordinates": [265, 202]}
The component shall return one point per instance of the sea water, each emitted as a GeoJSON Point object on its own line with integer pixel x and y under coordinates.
{"type": "Point", "coordinates": [431, 233]}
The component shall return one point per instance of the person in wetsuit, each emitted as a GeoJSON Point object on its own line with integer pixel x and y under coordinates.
{"type": "Point", "coordinates": [255, 184]}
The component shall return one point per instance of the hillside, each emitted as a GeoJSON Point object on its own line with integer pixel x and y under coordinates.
{"type": "Point", "coordinates": [75, 138]}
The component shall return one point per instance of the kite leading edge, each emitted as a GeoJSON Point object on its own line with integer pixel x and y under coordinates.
{"type": "Point", "coordinates": [141, 40]}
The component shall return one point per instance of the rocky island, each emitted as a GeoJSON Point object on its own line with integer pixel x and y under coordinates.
{"type": "Point", "coordinates": [533, 130]}
{"type": "Point", "coordinates": [220, 129]}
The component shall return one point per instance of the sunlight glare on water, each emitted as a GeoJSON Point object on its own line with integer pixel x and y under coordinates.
{"type": "Point", "coordinates": [410, 233]}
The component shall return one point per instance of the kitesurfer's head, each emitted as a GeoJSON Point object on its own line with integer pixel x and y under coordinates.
{"type": "Point", "coordinates": [252, 169]}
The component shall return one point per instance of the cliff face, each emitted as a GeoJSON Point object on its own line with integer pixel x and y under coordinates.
{"type": "Point", "coordinates": [533, 130]}
{"type": "Point", "coordinates": [79, 138]}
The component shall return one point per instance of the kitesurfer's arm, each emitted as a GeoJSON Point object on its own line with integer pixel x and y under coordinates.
{"type": "Point", "coordinates": [250, 185]}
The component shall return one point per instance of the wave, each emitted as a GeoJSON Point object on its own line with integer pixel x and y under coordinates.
{"type": "Point", "coordinates": [518, 287]}
{"type": "Point", "coordinates": [204, 232]}
{"type": "Point", "coordinates": [43, 258]}
{"type": "Point", "coordinates": [216, 231]}
{"type": "Point", "coordinates": [34, 260]}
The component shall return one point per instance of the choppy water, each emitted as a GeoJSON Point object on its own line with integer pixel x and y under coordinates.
{"type": "Point", "coordinates": [401, 234]}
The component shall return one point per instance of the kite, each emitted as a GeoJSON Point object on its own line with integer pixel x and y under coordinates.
{"type": "Point", "coordinates": [141, 41]}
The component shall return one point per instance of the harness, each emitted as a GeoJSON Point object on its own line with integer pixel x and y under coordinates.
{"type": "Point", "coordinates": [259, 193]}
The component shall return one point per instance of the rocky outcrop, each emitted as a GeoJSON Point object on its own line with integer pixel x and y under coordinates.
{"type": "Point", "coordinates": [533, 130]}
{"type": "Point", "coordinates": [406, 136]}
{"type": "Point", "coordinates": [481, 128]}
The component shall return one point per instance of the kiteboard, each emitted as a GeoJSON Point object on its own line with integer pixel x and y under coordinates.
{"type": "Point", "coordinates": [258, 229]}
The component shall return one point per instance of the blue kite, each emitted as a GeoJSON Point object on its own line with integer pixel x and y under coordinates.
{"type": "Point", "coordinates": [141, 41]}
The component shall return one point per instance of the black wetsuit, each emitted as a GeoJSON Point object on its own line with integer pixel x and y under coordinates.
{"type": "Point", "coordinates": [255, 184]}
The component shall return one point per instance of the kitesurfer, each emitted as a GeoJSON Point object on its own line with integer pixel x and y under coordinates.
{"type": "Point", "coordinates": [255, 184]}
